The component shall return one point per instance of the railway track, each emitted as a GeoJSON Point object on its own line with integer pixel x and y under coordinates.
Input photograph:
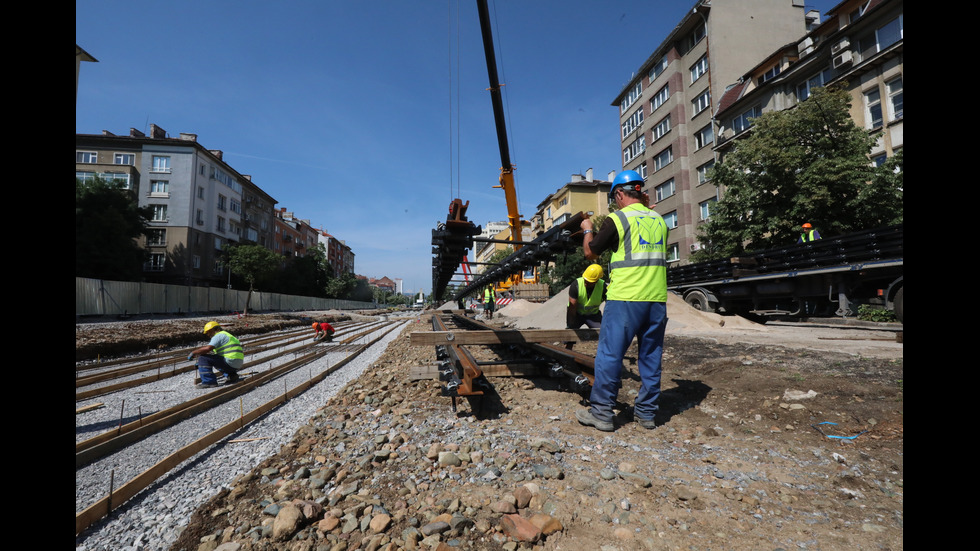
{"type": "Point", "coordinates": [120, 456]}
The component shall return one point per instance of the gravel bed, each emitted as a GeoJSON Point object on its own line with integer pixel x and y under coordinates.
{"type": "Point", "coordinates": [152, 520]}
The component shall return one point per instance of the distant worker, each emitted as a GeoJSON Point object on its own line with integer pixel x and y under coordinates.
{"type": "Point", "coordinates": [323, 331]}
{"type": "Point", "coordinates": [223, 352]}
{"type": "Point", "coordinates": [585, 295]}
{"type": "Point", "coordinates": [636, 303]}
{"type": "Point", "coordinates": [809, 234]}
{"type": "Point", "coordinates": [489, 301]}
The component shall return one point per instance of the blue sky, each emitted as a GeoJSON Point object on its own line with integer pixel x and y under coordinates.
{"type": "Point", "coordinates": [368, 118]}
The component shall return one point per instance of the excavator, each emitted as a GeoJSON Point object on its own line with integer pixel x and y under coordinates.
{"type": "Point", "coordinates": [506, 168]}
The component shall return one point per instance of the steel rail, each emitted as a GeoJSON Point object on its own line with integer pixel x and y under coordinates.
{"type": "Point", "coordinates": [118, 496]}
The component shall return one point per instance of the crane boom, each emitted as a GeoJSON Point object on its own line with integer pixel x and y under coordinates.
{"type": "Point", "coordinates": [506, 168]}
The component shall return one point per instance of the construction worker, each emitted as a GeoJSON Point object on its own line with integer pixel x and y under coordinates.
{"type": "Point", "coordinates": [489, 301]}
{"type": "Point", "coordinates": [809, 234]}
{"type": "Point", "coordinates": [323, 331]}
{"type": "Point", "coordinates": [585, 295]}
{"type": "Point", "coordinates": [636, 304]}
{"type": "Point", "coordinates": [223, 352]}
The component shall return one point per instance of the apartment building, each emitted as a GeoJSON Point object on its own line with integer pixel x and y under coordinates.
{"type": "Point", "coordinates": [667, 110]}
{"type": "Point", "coordinates": [860, 43]}
{"type": "Point", "coordinates": [581, 194]}
{"type": "Point", "coordinates": [199, 203]}
{"type": "Point", "coordinates": [292, 236]}
{"type": "Point", "coordinates": [339, 255]}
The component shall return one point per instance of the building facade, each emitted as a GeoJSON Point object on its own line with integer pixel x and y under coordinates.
{"type": "Point", "coordinates": [667, 110]}
{"type": "Point", "coordinates": [199, 204]}
{"type": "Point", "coordinates": [860, 43]}
{"type": "Point", "coordinates": [581, 194]}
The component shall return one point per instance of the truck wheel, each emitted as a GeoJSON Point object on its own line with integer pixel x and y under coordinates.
{"type": "Point", "coordinates": [698, 301]}
{"type": "Point", "coordinates": [898, 304]}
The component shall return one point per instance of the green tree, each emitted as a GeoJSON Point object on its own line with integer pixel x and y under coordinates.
{"type": "Point", "coordinates": [569, 266]}
{"type": "Point", "coordinates": [107, 224]}
{"type": "Point", "coordinates": [806, 164]}
{"type": "Point", "coordinates": [252, 263]}
{"type": "Point", "coordinates": [342, 286]}
{"type": "Point", "coordinates": [307, 276]}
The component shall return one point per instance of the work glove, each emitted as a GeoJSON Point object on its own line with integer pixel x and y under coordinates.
{"type": "Point", "coordinates": [190, 357]}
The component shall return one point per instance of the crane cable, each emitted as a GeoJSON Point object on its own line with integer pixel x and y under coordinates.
{"type": "Point", "coordinates": [453, 160]}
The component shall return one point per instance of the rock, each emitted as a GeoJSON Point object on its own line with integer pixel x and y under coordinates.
{"type": "Point", "coordinates": [380, 523]}
{"type": "Point", "coordinates": [287, 523]}
{"type": "Point", "coordinates": [546, 523]}
{"type": "Point", "coordinates": [519, 528]}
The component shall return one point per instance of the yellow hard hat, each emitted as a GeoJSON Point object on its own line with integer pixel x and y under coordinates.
{"type": "Point", "coordinates": [211, 325]}
{"type": "Point", "coordinates": [593, 273]}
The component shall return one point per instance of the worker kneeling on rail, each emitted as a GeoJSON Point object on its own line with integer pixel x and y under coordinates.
{"type": "Point", "coordinates": [323, 331]}
{"type": "Point", "coordinates": [224, 352]}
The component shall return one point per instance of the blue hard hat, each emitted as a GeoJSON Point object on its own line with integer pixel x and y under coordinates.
{"type": "Point", "coordinates": [630, 178]}
{"type": "Point", "coordinates": [626, 177]}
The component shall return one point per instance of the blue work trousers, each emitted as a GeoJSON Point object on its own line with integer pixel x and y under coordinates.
{"type": "Point", "coordinates": [621, 322]}
{"type": "Point", "coordinates": [207, 363]}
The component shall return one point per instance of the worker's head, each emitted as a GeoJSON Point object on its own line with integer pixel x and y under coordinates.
{"type": "Point", "coordinates": [628, 182]}
{"type": "Point", "coordinates": [315, 324]}
{"type": "Point", "coordinates": [211, 325]}
{"type": "Point", "coordinates": [593, 273]}
{"type": "Point", "coordinates": [807, 226]}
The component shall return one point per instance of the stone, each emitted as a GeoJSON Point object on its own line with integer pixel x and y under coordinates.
{"type": "Point", "coordinates": [519, 528]}
{"type": "Point", "coordinates": [380, 523]}
{"type": "Point", "coordinates": [546, 523]}
{"type": "Point", "coordinates": [287, 522]}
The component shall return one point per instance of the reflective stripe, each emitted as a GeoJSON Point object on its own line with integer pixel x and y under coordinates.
{"type": "Point", "coordinates": [638, 267]}
{"type": "Point", "coordinates": [232, 349]}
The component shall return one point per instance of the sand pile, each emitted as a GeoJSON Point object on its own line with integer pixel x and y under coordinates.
{"type": "Point", "coordinates": [518, 308]}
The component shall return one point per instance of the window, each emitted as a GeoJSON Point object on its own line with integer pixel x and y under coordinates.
{"type": "Point", "coordinates": [673, 252]}
{"type": "Point", "coordinates": [642, 170]}
{"type": "Point", "coordinates": [889, 33]}
{"type": "Point", "coordinates": [221, 202]}
{"type": "Point", "coordinates": [236, 206]}
{"type": "Point", "coordinates": [660, 98]}
{"type": "Point", "coordinates": [156, 237]}
{"type": "Point", "coordinates": [196, 262]}
{"type": "Point", "coordinates": [160, 164]}
{"type": "Point", "coordinates": [200, 217]}
{"type": "Point", "coordinates": [121, 180]}
{"type": "Point", "coordinates": [638, 146]}
{"type": "Point", "coordinates": [221, 224]}
{"type": "Point", "coordinates": [159, 187]}
{"type": "Point", "coordinates": [200, 192]}
{"type": "Point", "coordinates": [663, 159]}
{"type": "Point", "coordinates": [159, 213]}
{"type": "Point", "coordinates": [696, 36]}
{"type": "Point", "coordinates": [770, 74]}
{"type": "Point", "coordinates": [658, 68]}
{"type": "Point", "coordinates": [662, 128]}
{"type": "Point", "coordinates": [88, 157]}
{"type": "Point", "coordinates": [703, 171]}
{"type": "Point", "coordinates": [699, 68]}
{"type": "Point", "coordinates": [803, 90]}
{"type": "Point", "coordinates": [251, 234]}
{"type": "Point", "coordinates": [706, 207]}
{"type": "Point", "coordinates": [124, 159]}
{"type": "Point", "coordinates": [703, 137]}
{"type": "Point", "coordinates": [633, 122]}
{"type": "Point", "coordinates": [665, 190]}
{"type": "Point", "coordinates": [744, 120]}
{"type": "Point", "coordinates": [156, 262]}
{"type": "Point", "coordinates": [896, 100]}
{"type": "Point", "coordinates": [84, 176]}
{"type": "Point", "coordinates": [879, 160]}
{"type": "Point", "coordinates": [631, 96]}
{"type": "Point", "coordinates": [872, 108]}
{"type": "Point", "coordinates": [671, 219]}
{"type": "Point", "coordinates": [702, 102]}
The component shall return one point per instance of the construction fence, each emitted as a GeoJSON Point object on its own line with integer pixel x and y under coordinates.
{"type": "Point", "coordinates": [99, 297]}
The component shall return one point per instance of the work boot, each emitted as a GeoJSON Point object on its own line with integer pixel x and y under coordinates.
{"type": "Point", "coordinates": [585, 417]}
{"type": "Point", "coordinates": [647, 423]}
{"type": "Point", "coordinates": [206, 385]}
{"type": "Point", "coordinates": [232, 379]}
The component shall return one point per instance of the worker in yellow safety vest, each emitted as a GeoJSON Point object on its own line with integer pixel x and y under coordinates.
{"type": "Point", "coordinates": [585, 296]}
{"type": "Point", "coordinates": [489, 301]}
{"type": "Point", "coordinates": [224, 352]}
{"type": "Point", "coordinates": [636, 304]}
{"type": "Point", "coordinates": [809, 234]}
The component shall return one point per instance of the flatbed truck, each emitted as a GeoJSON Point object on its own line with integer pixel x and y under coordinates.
{"type": "Point", "coordinates": [826, 277]}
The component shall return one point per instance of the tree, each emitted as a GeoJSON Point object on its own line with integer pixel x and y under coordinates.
{"type": "Point", "coordinates": [308, 275]}
{"type": "Point", "coordinates": [806, 164]}
{"type": "Point", "coordinates": [107, 224]}
{"type": "Point", "coordinates": [569, 266]}
{"type": "Point", "coordinates": [252, 263]}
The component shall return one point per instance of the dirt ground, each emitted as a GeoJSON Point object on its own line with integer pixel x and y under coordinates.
{"type": "Point", "coordinates": [772, 437]}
